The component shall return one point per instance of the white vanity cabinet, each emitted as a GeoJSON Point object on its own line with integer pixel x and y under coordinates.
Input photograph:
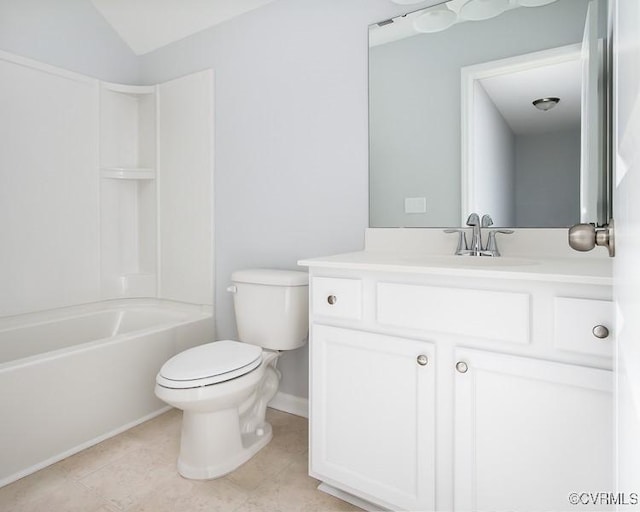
{"type": "Point", "coordinates": [369, 437]}
{"type": "Point", "coordinates": [529, 432]}
{"type": "Point", "coordinates": [437, 391]}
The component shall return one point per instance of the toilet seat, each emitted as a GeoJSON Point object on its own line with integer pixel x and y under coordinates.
{"type": "Point", "coordinates": [208, 364]}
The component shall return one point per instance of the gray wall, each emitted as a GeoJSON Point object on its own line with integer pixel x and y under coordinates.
{"type": "Point", "coordinates": [70, 34]}
{"type": "Point", "coordinates": [415, 105]}
{"type": "Point", "coordinates": [548, 179]}
{"type": "Point", "coordinates": [291, 137]}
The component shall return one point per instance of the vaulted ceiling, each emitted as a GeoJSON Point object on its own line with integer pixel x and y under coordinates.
{"type": "Point", "coordinates": [146, 25]}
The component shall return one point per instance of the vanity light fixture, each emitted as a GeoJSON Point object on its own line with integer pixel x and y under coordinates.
{"type": "Point", "coordinates": [435, 20]}
{"type": "Point", "coordinates": [534, 3]}
{"type": "Point", "coordinates": [546, 104]}
{"type": "Point", "coordinates": [476, 10]}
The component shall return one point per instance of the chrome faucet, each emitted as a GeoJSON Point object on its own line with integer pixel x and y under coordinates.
{"type": "Point", "coordinates": [492, 244]}
{"type": "Point", "coordinates": [462, 241]}
{"type": "Point", "coordinates": [476, 235]}
{"type": "Point", "coordinates": [476, 248]}
{"type": "Point", "coordinates": [486, 221]}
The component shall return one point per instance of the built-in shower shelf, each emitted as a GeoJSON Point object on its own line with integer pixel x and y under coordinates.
{"type": "Point", "coordinates": [128, 173]}
{"type": "Point", "coordinates": [128, 89]}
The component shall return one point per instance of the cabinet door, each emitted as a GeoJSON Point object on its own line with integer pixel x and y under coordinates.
{"type": "Point", "coordinates": [529, 432]}
{"type": "Point", "coordinates": [372, 416]}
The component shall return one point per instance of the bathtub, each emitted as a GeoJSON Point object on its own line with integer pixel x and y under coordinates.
{"type": "Point", "coordinates": [72, 377]}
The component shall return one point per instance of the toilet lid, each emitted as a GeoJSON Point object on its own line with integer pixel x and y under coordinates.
{"type": "Point", "coordinates": [209, 364]}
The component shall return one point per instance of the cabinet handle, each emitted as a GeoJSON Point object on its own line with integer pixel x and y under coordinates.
{"type": "Point", "coordinates": [332, 299]}
{"type": "Point", "coordinates": [462, 367]}
{"type": "Point", "coordinates": [422, 360]}
{"type": "Point", "coordinates": [600, 332]}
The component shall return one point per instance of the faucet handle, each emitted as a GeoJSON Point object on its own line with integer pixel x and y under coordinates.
{"type": "Point", "coordinates": [473, 220]}
{"type": "Point", "coordinates": [492, 245]}
{"type": "Point", "coordinates": [462, 239]}
{"type": "Point", "coordinates": [486, 221]}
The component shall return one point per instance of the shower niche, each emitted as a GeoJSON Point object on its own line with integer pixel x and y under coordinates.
{"type": "Point", "coordinates": [128, 190]}
{"type": "Point", "coordinates": [156, 204]}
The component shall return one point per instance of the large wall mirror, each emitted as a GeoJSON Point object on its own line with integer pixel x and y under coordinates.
{"type": "Point", "coordinates": [453, 127]}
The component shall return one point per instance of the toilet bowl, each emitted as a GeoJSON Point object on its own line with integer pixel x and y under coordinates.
{"type": "Point", "coordinates": [223, 410]}
{"type": "Point", "coordinates": [223, 387]}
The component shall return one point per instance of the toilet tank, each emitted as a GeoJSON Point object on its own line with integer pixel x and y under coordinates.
{"type": "Point", "coordinates": [272, 307]}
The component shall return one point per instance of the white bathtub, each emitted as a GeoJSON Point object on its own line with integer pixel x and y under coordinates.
{"type": "Point", "coordinates": [72, 377]}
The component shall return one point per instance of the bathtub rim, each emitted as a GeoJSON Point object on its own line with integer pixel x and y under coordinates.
{"type": "Point", "coordinates": [198, 312]}
{"type": "Point", "coordinates": [11, 321]}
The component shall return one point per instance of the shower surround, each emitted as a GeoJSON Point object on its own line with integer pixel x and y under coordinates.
{"type": "Point", "coordinates": [107, 193]}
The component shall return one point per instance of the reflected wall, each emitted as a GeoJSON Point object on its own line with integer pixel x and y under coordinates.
{"type": "Point", "coordinates": [414, 109]}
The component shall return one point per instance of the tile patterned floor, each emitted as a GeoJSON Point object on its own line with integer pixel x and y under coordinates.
{"type": "Point", "coordinates": [136, 471]}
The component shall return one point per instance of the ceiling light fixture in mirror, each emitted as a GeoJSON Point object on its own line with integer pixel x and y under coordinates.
{"type": "Point", "coordinates": [441, 17]}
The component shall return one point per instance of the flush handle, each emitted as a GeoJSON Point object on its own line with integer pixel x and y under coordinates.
{"type": "Point", "coordinates": [462, 367]}
{"type": "Point", "coordinates": [422, 360]}
{"type": "Point", "coordinates": [332, 299]}
{"type": "Point", "coordinates": [600, 332]}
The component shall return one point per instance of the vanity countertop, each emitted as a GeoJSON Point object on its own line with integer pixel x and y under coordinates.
{"type": "Point", "coordinates": [594, 271]}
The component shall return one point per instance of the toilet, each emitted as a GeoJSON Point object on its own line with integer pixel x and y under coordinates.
{"type": "Point", "coordinates": [223, 387]}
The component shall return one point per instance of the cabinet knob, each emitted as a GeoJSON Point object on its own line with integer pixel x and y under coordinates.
{"type": "Point", "coordinates": [332, 299]}
{"type": "Point", "coordinates": [462, 367]}
{"type": "Point", "coordinates": [600, 332]}
{"type": "Point", "coordinates": [422, 360]}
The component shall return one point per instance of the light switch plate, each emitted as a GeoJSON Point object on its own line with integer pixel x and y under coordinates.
{"type": "Point", "coordinates": [415, 205]}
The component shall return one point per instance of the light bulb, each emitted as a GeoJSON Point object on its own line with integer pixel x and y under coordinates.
{"type": "Point", "coordinates": [435, 20]}
{"type": "Point", "coordinates": [476, 10]}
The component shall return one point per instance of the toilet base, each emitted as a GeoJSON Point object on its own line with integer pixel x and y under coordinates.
{"type": "Point", "coordinates": [223, 424]}
{"type": "Point", "coordinates": [212, 455]}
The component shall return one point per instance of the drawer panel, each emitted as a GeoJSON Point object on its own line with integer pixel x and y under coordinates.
{"type": "Point", "coordinates": [502, 316]}
{"type": "Point", "coordinates": [337, 297]}
{"type": "Point", "coordinates": [574, 321]}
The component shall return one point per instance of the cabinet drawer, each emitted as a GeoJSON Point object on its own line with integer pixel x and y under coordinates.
{"type": "Point", "coordinates": [574, 323]}
{"type": "Point", "coordinates": [337, 297]}
{"type": "Point", "coordinates": [500, 316]}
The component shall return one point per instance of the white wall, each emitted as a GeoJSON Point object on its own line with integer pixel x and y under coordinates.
{"type": "Point", "coordinates": [185, 189]}
{"type": "Point", "coordinates": [49, 190]}
{"type": "Point", "coordinates": [290, 137]}
{"type": "Point", "coordinates": [50, 198]}
{"type": "Point", "coordinates": [626, 271]}
{"type": "Point", "coordinates": [494, 161]}
{"type": "Point", "coordinates": [49, 184]}
{"type": "Point", "coordinates": [70, 34]}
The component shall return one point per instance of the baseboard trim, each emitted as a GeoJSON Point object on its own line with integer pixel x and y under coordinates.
{"type": "Point", "coordinates": [291, 404]}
